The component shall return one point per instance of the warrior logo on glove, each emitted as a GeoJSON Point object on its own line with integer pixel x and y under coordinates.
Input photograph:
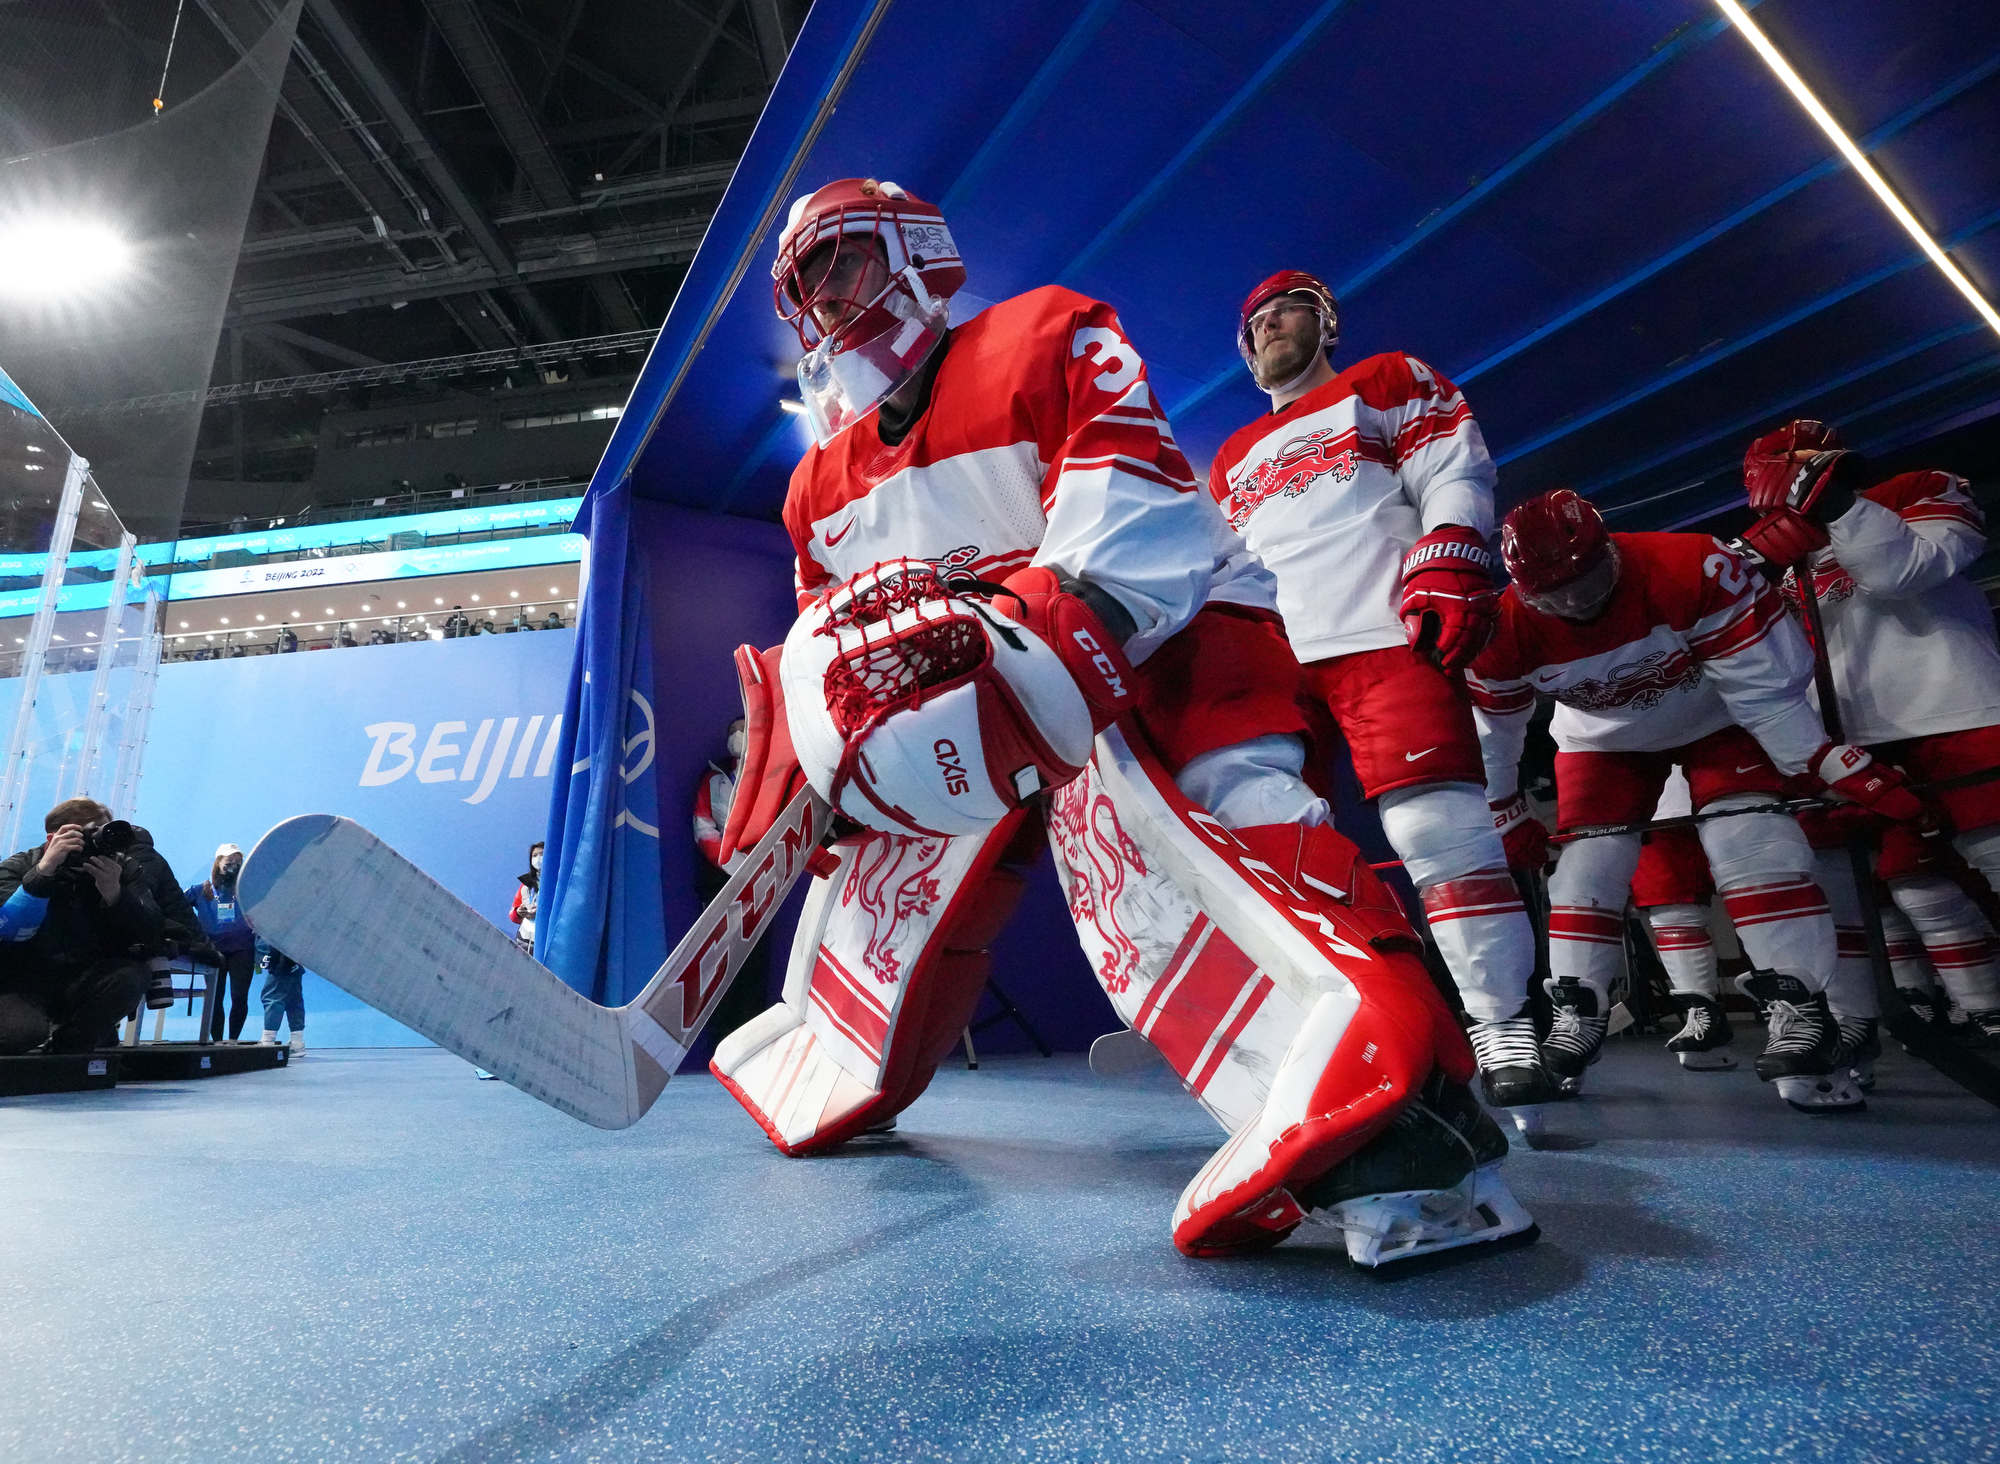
{"type": "Point", "coordinates": [920, 708]}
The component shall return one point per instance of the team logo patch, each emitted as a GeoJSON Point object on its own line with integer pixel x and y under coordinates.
{"type": "Point", "coordinates": [1640, 684]}
{"type": "Point", "coordinates": [1291, 470]}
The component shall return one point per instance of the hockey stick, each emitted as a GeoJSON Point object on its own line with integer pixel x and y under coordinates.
{"type": "Point", "coordinates": [335, 898]}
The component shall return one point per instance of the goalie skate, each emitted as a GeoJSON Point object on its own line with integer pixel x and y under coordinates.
{"type": "Point", "coordinates": [1430, 1184]}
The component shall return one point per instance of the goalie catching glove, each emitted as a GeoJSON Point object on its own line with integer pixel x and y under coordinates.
{"type": "Point", "coordinates": [919, 709]}
{"type": "Point", "coordinates": [1853, 774]}
{"type": "Point", "coordinates": [1449, 602]}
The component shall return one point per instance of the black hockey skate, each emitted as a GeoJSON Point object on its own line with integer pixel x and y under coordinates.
{"type": "Point", "coordinates": [1429, 1183]}
{"type": "Point", "coordinates": [1801, 1044]}
{"type": "Point", "coordinates": [1577, 1038]}
{"type": "Point", "coordinates": [1860, 1045]}
{"type": "Point", "coordinates": [1704, 1032]}
{"type": "Point", "coordinates": [1510, 1061]}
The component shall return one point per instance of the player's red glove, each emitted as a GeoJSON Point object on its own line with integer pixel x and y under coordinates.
{"type": "Point", "coordinates": [1525, 837]}
{"type": "Point", "coordinates": [1784, 536]}
{"type": "Point", "coordinates": [1853, 773]}
{"type": "Point", "coordinates": [1803, 467]}
{"type": "Point", "coordinates": [769, 777]}
{"type": "Point", "coordinates": [1089, 651]}
{"type": "Point", "coordinates": [1449, 602]}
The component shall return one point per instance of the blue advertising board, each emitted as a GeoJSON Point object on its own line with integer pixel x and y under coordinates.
{"type": "Point", "coordinates": [445, 749]}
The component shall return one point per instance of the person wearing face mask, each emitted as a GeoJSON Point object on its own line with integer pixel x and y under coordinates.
{"type": "Point", "coordinates": [711, 803]}
{"type": "Point", "coordinates": [228, 930]}
{"type": "Point", "coordinates": [527, 899]}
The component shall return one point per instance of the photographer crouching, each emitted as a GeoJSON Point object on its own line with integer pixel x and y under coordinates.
{"type": "Point", "coordinates": [79, 922]}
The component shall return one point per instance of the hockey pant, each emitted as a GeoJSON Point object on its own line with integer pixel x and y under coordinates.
{"type": "Point", "coordinates": [1955, 936]}
{"type": "Point", "coordinates": [1444, 834]}
{"type": "Point", "coordinates": [1762, 868]}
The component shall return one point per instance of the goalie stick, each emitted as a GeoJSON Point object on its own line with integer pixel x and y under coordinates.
{"type": "Point", "coordinates": [341, 902]}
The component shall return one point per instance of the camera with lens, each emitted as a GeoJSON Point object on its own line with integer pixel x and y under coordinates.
{"type": "Point", "coordinates": [113, 839]}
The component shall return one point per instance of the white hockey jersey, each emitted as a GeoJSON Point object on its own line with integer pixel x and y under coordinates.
{"type": "Point", "coordinates": [1693, 640]}
{"type": "Point", "coordinates": [1041, 444]}
{"type": "Point", "coordinates": [1332, 490]}
{"type": "Point", "coordinates": [1910, 638]}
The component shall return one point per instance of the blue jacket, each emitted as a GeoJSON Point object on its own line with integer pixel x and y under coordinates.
{"type": "Point", "coordinates": [222, 919]}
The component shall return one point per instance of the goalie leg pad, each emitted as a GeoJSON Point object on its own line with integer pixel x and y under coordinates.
{"type": "Point", "coordinates": [889, 963]}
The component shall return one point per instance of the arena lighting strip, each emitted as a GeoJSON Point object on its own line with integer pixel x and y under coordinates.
{"type": "Point", "coordinates": [1782, 69]}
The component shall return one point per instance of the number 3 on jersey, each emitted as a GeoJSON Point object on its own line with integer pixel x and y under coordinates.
{"type": "Point", "coordinates": [1111, 351]}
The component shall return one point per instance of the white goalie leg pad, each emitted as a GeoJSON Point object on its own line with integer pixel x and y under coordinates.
{"type": "Point", "coordinates": [1444, 834]}
{"type": "Point", "coordinates": [1255, 782]}
{"type": "Point", "coordinates": [883, 974]}
{"type": "Point", "coordinates": [1763, 870]}
{"type": "Point", "coordinates": [1685, 948]}
{"type": "Point", "coordinates": [1956, 937]}
{"type": "Point", "coordinates": [1587, 895]}
{"type": "Point", "coordinates": [1257, 992]}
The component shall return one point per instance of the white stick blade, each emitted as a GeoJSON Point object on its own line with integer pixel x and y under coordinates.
{"type": "Point", "coordinates": [341, 902]}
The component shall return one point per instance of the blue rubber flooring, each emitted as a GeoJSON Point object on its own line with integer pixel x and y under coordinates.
{"type": "Point", "coordinates": [371, 1256]}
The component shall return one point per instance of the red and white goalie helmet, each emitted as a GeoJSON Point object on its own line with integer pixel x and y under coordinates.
{"type": "Point", "coordinates": [884, 324]}
{"type": "Point", "coordinates": [918, 709]}
{"type": "Point", "coordinates": [1287, 286]}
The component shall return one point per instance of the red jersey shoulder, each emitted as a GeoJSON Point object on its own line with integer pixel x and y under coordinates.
{"type": "Point", "coordinates": [1040, 316]}
{"type": "Point", "coordinates": [1927, 493]}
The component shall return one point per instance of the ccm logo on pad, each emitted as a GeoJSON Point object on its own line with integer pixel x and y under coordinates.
{"type": "Point", "coordinates": [1104, 664]}
{"type": "Point", "coordinates": [950, 765]}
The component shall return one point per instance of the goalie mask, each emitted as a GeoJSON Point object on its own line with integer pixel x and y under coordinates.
{"type": "Point", "coordinates": [921, 710]}
{"type": "Point", "coordinates": [865, 275]}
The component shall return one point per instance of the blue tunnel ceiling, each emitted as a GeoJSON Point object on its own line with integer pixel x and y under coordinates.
{"type": "Point", "coordinates": [1607, 222]}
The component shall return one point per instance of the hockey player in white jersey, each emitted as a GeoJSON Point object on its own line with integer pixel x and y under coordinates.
{"type": "Point", "coordinates": [1911, 644]}
{"type": "Point", "coordinates": [1666, 650]}
{"type": "Point", "coordinates": [1369, 494]}
{"type": "Point", "coordinates": [1002, 554]}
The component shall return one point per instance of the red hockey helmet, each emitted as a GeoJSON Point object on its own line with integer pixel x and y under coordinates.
{"type": "Point", "coordinates": [1290, 284]}
{"type": "Point", "coordinates": [863, 334]}
{"type": "Point", "coordinates": [1559, 554]}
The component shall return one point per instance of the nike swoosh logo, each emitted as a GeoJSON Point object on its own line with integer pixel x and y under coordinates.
{"type": "Point", "coordinates": [833, 539]}
{"type": "Point", "coordinates": [1753, 768]}
{"type": "Point", "coordinates": [1413, 756]}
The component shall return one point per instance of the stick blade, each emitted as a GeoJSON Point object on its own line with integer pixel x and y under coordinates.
{"type": "Point", "coordinates": [335, 898]}
{"type": "Point", "coordinates": [1124, 1054]}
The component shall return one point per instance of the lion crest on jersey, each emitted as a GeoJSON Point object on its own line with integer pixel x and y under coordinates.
{"type": "Point", "coordinates": [1638, 684]}
{"type": "Point", "coordinates": [1291, 470]}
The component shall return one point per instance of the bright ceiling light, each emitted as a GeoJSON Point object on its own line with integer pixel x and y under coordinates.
{"type": "Point", "coordinates": [260, 620]}
{"type": "Point", "coordinates": [475, 599]}
{"type": "Point", "coordinates": [793, 405]}
{"type": "Point", "coordinates": [402, 604]}
{"type": "Point", "coordinates": [554, 591]}
{"type": "Point", "coordinates": [513, 594]}
{"type": "Point", "coordinates": [46, 257]}
{"type": "Point", "coordinates": [1782, 69]}
{"type": "Point", "coordinates": [225, 619]}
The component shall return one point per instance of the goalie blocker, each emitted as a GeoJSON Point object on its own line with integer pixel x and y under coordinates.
{"type": "Point", "coordinates": [1269, 967]}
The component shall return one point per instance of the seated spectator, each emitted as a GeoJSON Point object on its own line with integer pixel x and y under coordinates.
{"type": "Point", "coordinates": [80, 925]}
{"type": "Point", "coordinates": [455, 624]}
{"type": "Point", "coordinates": [554, 622]}
{"type": "Point", "coordinates": [286, 640]}
{"type": "Point", "coordinates": [346, 636]}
